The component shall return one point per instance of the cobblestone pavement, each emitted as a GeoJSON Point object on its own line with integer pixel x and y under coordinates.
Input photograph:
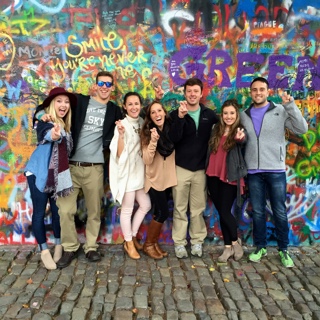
{"type": "Point", "coordinates": [193, 288]}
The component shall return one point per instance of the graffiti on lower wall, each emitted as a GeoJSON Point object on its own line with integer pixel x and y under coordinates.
{"type": "Point", "coordinates": [146, 42]}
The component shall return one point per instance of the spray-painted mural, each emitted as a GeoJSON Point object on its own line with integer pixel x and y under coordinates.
{"type": "Point", "coordinates": [223, 42]}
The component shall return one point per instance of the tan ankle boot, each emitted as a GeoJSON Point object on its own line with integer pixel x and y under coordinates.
{"type": "Point", "coordinates": [131, 250]}
{"type": "Point", "coordinates": [47, 260]}
{"type": "Point", "coordinates": [137, 243]}
{"type": "Point", "coordinates": [227, 253]}
{"type": "Point", "coordinates": [57, 253]}
{"type": "Point", "coordinates": [238, 251]}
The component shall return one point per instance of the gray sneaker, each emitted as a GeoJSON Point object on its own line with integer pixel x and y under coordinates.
{"type": "Point", "coordinates": [196, 249]}
{"type": "Point", "coordinates": [180, 252]}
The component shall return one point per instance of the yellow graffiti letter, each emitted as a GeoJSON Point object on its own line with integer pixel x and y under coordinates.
{"type": "Point", "coordinates": [70, 38]}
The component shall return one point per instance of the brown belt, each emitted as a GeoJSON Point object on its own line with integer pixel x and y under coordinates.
{"type": "Point", "coordinates": [84, 164]}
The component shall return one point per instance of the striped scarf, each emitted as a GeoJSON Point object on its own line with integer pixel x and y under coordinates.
{"type": "Point", "coordinates": [59, 178]}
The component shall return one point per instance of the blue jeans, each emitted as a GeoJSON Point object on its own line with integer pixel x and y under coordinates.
{"type": "Point", "coordinates": [39, 202]}
{"type": "Point", "coordinates": [275, 185]}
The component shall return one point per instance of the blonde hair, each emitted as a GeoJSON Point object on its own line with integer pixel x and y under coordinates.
{"type": "Point", "coordinates": [65, 122]}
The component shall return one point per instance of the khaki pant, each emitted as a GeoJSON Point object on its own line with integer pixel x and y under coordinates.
{"type": "Point", "coordinates": [90, 180]}
{"type": "Point", "coordinates": [191, 188]}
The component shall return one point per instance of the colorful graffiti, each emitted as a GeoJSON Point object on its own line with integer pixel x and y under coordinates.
{"type": "Point", "coordinates": [146, 42]}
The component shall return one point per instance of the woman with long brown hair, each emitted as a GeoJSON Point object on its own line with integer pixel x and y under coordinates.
{"type": "Point", "coordinates": [159, 157]}
{"type": "Point", "coordinates": [225, 173]}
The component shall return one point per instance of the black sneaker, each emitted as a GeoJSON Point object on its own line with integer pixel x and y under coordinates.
{"type": "Point", "coordinates": [66, 259]}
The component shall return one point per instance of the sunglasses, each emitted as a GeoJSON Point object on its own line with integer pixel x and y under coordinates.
{"type": "Point", "coordinates": [107, 83]}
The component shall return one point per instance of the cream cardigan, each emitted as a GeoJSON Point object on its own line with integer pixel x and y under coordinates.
{"type": "Point", "coordinates": [126, 173]}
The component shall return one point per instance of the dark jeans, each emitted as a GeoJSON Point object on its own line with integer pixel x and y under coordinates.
{"type": "Point", "coordinates": [275, 185]}
{"type": "Point", "coordinates": [160, 201]}
{"type": "Point", "coordinates": [223, 195]}
{"type": "Point", "coordinates": [39, 201]}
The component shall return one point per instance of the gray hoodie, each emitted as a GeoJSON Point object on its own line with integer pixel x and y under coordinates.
{"type": "Point", "coordinates": [267, 151]}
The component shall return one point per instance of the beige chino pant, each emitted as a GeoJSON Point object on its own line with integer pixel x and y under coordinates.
{"type": "Point", "coordinates": [191, 188]}
{"type": "Point", "coordinates": [90, 181]}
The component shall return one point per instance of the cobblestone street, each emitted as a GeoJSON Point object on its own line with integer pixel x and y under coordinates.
{"type": "Point", "coordinates": [192, 288]}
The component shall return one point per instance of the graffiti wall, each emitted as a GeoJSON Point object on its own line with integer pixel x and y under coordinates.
{"type": "Point", "coordinates": [147, 42]}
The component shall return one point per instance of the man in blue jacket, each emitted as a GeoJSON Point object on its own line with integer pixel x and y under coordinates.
{"type": "Point", "coordinates": [93, 123]}
{"type": "Point", "coordinates": [190, 131]}
{"type": "Point", "coordinates": [265, 155]}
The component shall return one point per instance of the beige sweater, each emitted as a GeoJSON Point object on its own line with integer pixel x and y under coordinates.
{"type": "Point", "coordinates": [160, 172]}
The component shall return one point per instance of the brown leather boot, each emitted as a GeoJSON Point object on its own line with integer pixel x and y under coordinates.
{"type": "Point", "coordinates": [160, 250]}
{"type": "Point", "coordinates": [137, 243]}
{"type": "Point", "coordinates": [149, 246]}
{"type": "Point", "coordinates": [131, 250]}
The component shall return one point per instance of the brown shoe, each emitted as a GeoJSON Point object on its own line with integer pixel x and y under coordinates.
{"type": "Point", "coordinates": [149, 246]}
{"type": "Point", "coordinates": [137, 243]}
{"type": "Point", "coordinates": [160, 250]}
{"type": "Point", "coordinates": [152, 252]}
{"type": "Point", "coordinates": [131, 250]}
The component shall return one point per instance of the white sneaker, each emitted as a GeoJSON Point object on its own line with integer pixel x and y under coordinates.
{"type": "Point", "coordinates": [196, 249]}
{"type": "Point", "coordinates": [180, 252]}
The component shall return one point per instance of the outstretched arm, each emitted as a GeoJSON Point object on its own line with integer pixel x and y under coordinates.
{"type": "Point", "coordinates": [295, 122]}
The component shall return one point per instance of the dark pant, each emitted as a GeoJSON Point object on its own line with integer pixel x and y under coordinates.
{"type": "Point", "coordinates": [39, 202]}
{"type": "Point", "coordinates": [160, 201]}
{"type": "Point", "coordinates": [223, 195]}
{"type": "Point", "coordinates": [275, 185]}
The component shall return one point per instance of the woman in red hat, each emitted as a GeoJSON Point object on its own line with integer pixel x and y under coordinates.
{"type": "Point", "coordinates": [48, 172]}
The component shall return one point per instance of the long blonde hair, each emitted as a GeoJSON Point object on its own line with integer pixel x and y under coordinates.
{"type": "Point", "coordinates": [219, 128]}
{"type": "Point", "coordinates": [65, 122]}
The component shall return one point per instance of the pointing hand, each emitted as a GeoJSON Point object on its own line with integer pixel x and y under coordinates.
{"type": "Point", "coordinates": [56, 131]}
{"type": "Point", "coordinates": [183, 110]}
{"type": "Point", "coordinates": [154, 135]}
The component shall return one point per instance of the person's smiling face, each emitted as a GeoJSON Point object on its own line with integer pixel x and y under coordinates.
{"type": "Point", "coordinates": [229, 115]}
{"type": "Point", "coordinates": [193, 95]}
{"type": "Point", "coordinates": [61, 105]}
{"type": "Point", "coordinates": [157, 115]}
{"type": "Point", "coordinates": [133, 106]}
{"type": "Point", "coordinates": [259, 94]}
{"type": "Point", "coordinates": [103, 93]}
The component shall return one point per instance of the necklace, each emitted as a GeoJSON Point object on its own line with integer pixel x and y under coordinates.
{"type": "Point", "coordinates": [133, 121]}
{"type": "Point", "coordinates": [136, 130]}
